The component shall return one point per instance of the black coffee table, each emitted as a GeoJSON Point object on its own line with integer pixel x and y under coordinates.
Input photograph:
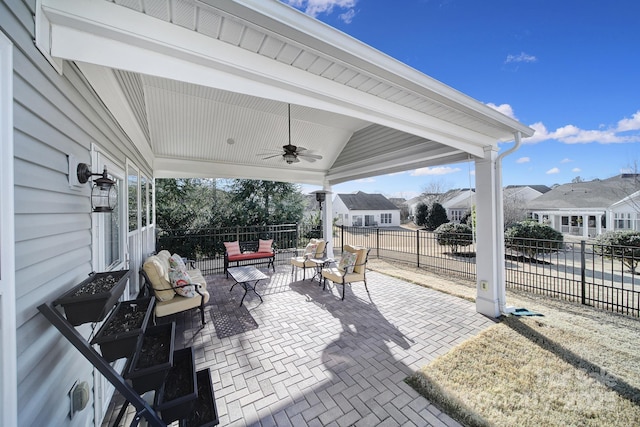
{"type": "Point", "coordinates": [248, 277]}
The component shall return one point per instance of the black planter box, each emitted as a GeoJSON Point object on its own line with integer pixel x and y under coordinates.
{"type": "Point", "coordinates": [178, 394]}
{"type": "Point", "coordinates": [155, 341]}
{"type": "Point", "coordinates": [82, 305]}
{"type": "Point", "coordinates": [205, 412]}
{"type": "Point", "coordinates": [117, 341]}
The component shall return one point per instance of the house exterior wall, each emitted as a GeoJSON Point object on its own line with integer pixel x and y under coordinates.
{"type": "Point", "coordinates": [366, 218]}
{"type": "Point", "coordinates": [54, 117]}
{"type": "Point", "coordinates": [625, 215]}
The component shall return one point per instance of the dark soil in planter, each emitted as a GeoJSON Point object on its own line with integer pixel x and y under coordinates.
{"type": "Point", "coordinates": [93, 298]}
{"type": "Point", "coordinates": [128, 317]}
{"type": "Point", "coordinates": [152, 359]}
{"type": "Point", "coordinates": [118, 335]}
{"type": "Point", "coordinates": [205, 412]}
{"type": "Point", "coordinates": [99, 285]}
{"type": "Point", "coordinates": [178, 394]}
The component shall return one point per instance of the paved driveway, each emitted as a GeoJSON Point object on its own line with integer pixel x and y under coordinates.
{"type": "Point", "coordinates": [304, 357]}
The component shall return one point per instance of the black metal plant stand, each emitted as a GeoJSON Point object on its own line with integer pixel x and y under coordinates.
{"type": "Point", "coordinates": [143, 409]}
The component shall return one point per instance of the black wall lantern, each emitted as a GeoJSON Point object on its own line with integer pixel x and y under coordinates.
{"type": "Point", "coordinates": [321, 196]}
{"type": "Point", "coordinates": [104, 195]}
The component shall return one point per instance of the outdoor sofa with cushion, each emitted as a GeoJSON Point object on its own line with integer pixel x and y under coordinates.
{"type": "Point", "coordinates": [176, 287]}
{"type": "Point", "coordinates": [249, 253]}
{"type": "Point", "coordinates": [352, 267]}
{"type": "Point", "coordinates": [315, 249]}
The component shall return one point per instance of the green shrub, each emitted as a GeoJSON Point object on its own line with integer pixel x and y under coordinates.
{"type": "Point", "coordinates": [437, 216]}
{"type": "Point", "coordinates": [454, 236]}
{"type": "Point", "coordinates": [532, 238]}
{"type": "Point", "coordinates": [621, 245]}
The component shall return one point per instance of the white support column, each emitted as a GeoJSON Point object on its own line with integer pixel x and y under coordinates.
{"type": "Point", "coordinates": [585, 226]}
{"type": "Point", "coordinates": [598, 224]}
{"type": "Point", "coordinates": [490, 285]}
{"type": "Point", "coordinates": [327, 220]}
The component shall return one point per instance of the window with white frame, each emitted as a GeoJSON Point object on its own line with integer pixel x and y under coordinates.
{"type": "Point", "coordinates": [108, 238]}
{"type": "Point", "coordinates": [144, 201]}
{"type": "Point", "coordinates": [623, 221]}
{"type": "Point", "coordinates": [456, 215]}
{"type": "Point", "coordinates": [385, 218]}
{"type": "Point", "coordinates": [132, 195]}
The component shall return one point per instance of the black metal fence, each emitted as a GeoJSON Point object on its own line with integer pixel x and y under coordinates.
{"type": "Point", "coordinates": [582, 272]}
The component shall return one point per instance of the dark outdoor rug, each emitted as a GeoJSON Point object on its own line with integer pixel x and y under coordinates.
{"type": "Point", "coordinates": [229, 319]}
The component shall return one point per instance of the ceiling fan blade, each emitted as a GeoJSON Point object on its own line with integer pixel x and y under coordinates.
{"type": "Point", "coordinates": [272, 156]}
{"type": "Point", "coordinates": [310, 156]}
{"type": "Point", "coordinates": [307, 158]}
{"type": "Point", "coordinates": [301, 149]}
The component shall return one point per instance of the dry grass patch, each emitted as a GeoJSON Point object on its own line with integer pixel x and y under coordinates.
{"type": "Point", "coordinates": [513, 374]}
{"type": "Point", "coordinates": [574, 366]}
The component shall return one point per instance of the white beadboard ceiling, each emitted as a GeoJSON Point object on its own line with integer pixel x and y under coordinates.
{"type": "Point", "coordinates": [186, 76]}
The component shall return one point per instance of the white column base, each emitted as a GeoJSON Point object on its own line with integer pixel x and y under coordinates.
{"type": "Point", "coordinates": [488, 307]}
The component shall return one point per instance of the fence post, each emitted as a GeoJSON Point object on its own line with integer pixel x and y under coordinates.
{"type": "Point", "coordinates": [418, 248]}
{"type": "Point", "coordinates": [341, 237]}
{"type": "Point", "coordinates": [378, 242]}
{"type": "Point", "coordinates": [583, 270]}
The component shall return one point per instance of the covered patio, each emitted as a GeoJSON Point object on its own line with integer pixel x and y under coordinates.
{"type": "Point", "coordinates": [217, 88]}
{"type": "Point", "coordinates": [305, 357]}
{"type": "Point", "coordinates": [199, 89]}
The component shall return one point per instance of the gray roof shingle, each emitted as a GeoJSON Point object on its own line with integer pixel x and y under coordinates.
{"type": "Point", "coordinates": [589, 194]}
{"type": "Point", "coordinates": [366, 202]}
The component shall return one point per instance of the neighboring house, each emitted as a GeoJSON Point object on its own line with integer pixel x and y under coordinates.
{"type": "Point", "coordinates": [590, 208]}
{"type": "Point", "coordinates": [459, 202]}
{"type": "Point", "coordinates": [401, 203]}
{"type": "Point", "coordinates": [365, 210]}
{"type": "Point", "coordinates": [524, 193]}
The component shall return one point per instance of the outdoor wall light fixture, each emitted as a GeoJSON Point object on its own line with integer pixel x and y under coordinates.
{"type": "Point", "coordinates": [321, 196]}
{"type": "Point", "coordinates": [104, 195]}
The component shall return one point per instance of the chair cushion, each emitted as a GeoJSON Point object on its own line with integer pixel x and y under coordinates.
{"type": "Point", "coordinates": [176, 261]}
{"type": "Point", "coordinates": [320, 248]}
{"type": "Point", "coordinates": [347, 261]}
{"type": "Point", "coordinates": [233, 248]}
{"type": "Point", "coordinates": [179, 304]}
{"type": "Point", "coordinates": [302, 262]}
{"type": "Point", "coordinates": [265, 245]}
{"type": "Point", "coordinates": [311, 250]}
{"type": "Point", "coordinates": [251, 255]}
{"type": "Point", "coordinates": [181, 283]}
{"type": "Point", "coordinates": [336, 275]}
{"type": "Point", "coordinates": [157, 271]}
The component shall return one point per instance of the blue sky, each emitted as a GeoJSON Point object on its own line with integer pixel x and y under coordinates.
{"type": "Point", "coordinates": [569, 69]}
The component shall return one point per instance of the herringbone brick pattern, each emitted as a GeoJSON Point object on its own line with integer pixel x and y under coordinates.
{"type": "Point", "coordinates": [315, 360]}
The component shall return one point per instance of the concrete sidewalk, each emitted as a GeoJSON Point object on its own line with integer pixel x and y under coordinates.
{"type": "Point", "coordinates": [304, 357]}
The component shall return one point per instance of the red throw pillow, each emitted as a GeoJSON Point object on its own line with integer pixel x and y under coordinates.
{"type": "Point", "coordinates": [233, 248]}
{"type": "Point", "coordinates": [265, 245]}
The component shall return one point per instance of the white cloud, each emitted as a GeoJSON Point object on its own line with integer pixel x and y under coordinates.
{"type": "Point", "coordinates": [553, 171]}
{"type": "Point", "coordinates": [503, 108]}
{"type": "Point", "coordinates": [317, 7]}
{"type": "Point", "coordinates": [625, 131]}
{"type": "Point", "coordinates": [522, 57]}
{"type": "Point", "coordinates": [576, 170]}
{"type": "Point", "coordinates": [438, 170]}
{"type": "Point", "coordinates": [523, 160]}
{"type": "Point", "coordinates": [630, 124]}
{"type": "Point", "coordinates": [566, 160]}
{"type": "Point", "coordinates": [347, 17]}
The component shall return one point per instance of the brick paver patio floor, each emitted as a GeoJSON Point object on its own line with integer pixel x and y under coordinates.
{"type": "Point", "coordinates": [305, 357]}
